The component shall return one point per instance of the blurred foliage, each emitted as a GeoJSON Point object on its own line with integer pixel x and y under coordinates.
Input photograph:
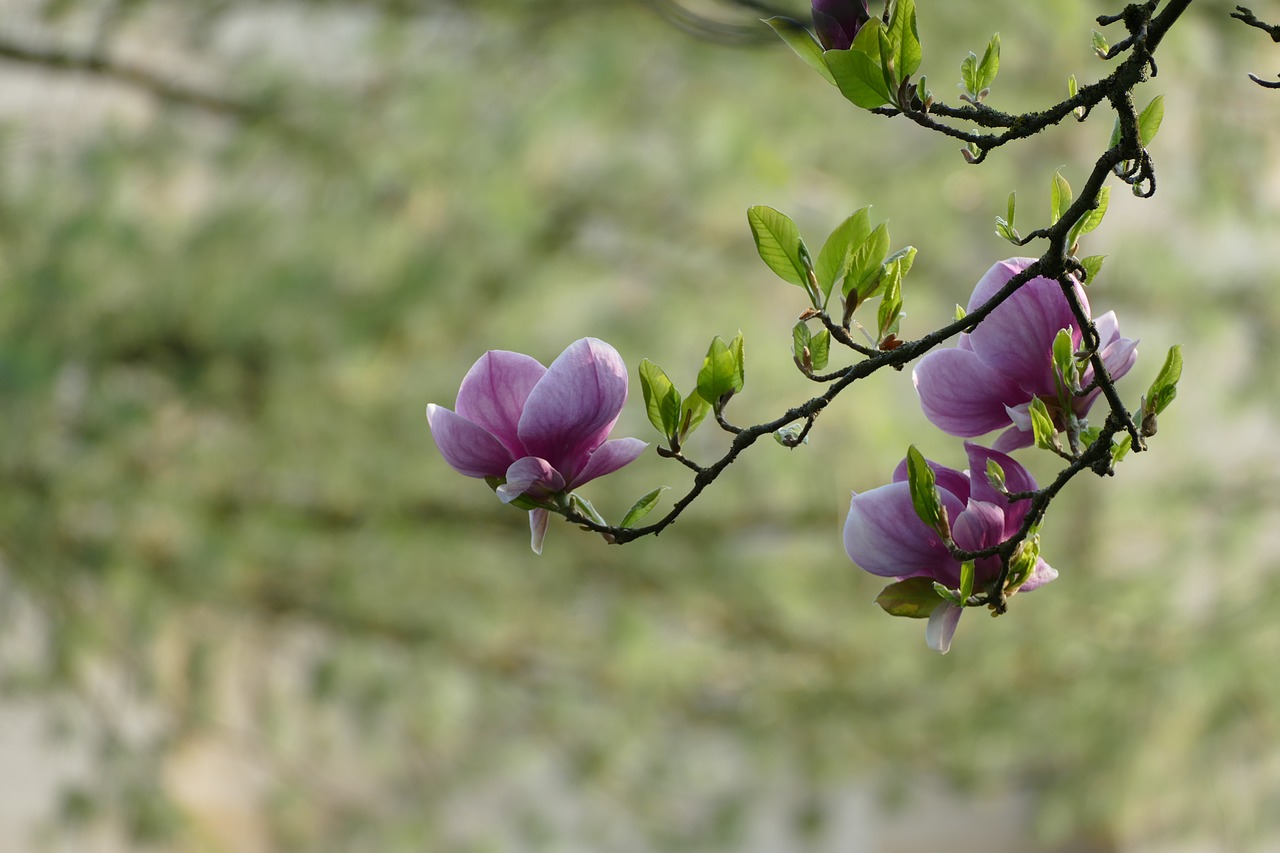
{"type": "Point", "coordinates": [225, 531]}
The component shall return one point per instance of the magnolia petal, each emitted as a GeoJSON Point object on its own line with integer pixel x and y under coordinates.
{"type": "Point", "coordinates": [469, 449]}
{"type": "Point", "coordinates": [1016, 479]}
{"type": "Point", "coordinates": [538, 519]}
{"type": "Point", "coordinates": [942, 626]}
{"type": "Point", "coordinates": [1040, 575]}
{"type": "Point", "coordinates": [1017, 337]}
{"type": "Point", "coordinates": [572, 408]}
{"type": "Point", "coordinates": [609, 457]}
{"type": "Point", "coordinates": [1014, 438]}
{"type": "Point", "coordinates": [884, 536]}
{"type": "Point", "coordinates": [947, 479]}
{"type": "Point", "coordinates": [530, 475]}
{"type": "Point", "coordinates": [981, 525]}
{"type": "Point", "coordinates": [494, 392]}
{"type": "Point", "coordinates": [963, 395]}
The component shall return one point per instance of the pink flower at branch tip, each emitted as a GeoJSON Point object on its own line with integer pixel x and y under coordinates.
{"type": "Point", "coordinates": [989, 379]}
{"type": "Point", "coordinates": [539, 432]}
{"type": "Point", "coordinates": [883, 534]}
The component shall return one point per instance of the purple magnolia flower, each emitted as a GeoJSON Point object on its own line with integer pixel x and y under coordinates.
{"type": "Point", "coordinates": [990, 378]}
{"type": "Point", "coordinates": [884, 536]}
{"type": "Point", "coordinates": [838, 21]}
{"type": "Point", "coordinates": [539, 430]}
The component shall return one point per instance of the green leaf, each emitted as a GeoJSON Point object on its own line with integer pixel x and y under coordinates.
{"type": "Point", "coordinates": [995, 475]}
{"type": "Point", "coordinates": [966, 580]}
{"type": "Point", "coordinates": [866, 264]}
{"type": "Point", "coordinates": [1165, 386]}
{"type": "Point", "coordinates": [642, 507]}
{"type": "Point", "coordinates": [960, 312]}
{"type": "Point", "coordinates": [1059, 196]}
{"type": "Point", "coordinates": [739, 362]}
{"type": "Point", "coordinates": [1073, 88]}
{"type": "Point", "coordinates": [913, 598]}
{"type": "Point", "coordinates": [800, 338]}
{"type": "Point", "coordinates": [1011, 207]}
{"type": "Point", "coordinates": [1121, 448]}
{"type": "Point", "coordinates": [1092, 266]}
{"type": "Point", "coordinates": [1149, 120]}
{"type": "Point", "coordinates": [1042, 427]}
{"type": "Point", "coordinates": [1092, 219]}
{"type": "Point", "coordinates": [692, 411]}
{"type": "Point", "coordinates": [858, 71]}
{"type": "Point", "coordinates": [924, 494]}
{"type": "Point", "coordinates": [803, 43]}
{"type": "Point", "coordinates": [778, 242]}
{"type": "Point", "coordinates": [1100, 45]}
{"type": "Point", "coordinates": [583, 506]}
{"type": "Point", "coordinates": [661, 399]}
{"type": "Point", "coordinates": [720, 373]}
{"type": "Point", "coordinates": [786, 436]}
{"type": "Point", "coordinates": [833, 260]}
{"type": "Point", "coordinates": [1065, 368]}
{"type": "Point", "coordinates": [904, 38]}
{"type": "Point", "coordinates": [969, 74]}
{"type": "Point", "coordinates": [890, 312]}
{"type": "Point", "coordinates": [820, 349]}
{"type": "Point", "coordinates": [951, 595]}
{"type": "Point", "coordinates": [986, 74]}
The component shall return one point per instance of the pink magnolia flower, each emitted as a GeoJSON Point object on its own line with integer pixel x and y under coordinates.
{"type": "Point", "coordinates": [539, 432]}
{"type": "Point", "coordinates": [884, 536]}
{"type": "Point", "coordinates": [838, 21]}
{"type": "Point", "coordinates": [990, 378]}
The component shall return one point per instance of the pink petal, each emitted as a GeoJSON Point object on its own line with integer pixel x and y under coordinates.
{"type": "Point", "coordinates": [532, 476]}
{"type": "Point", "coordinates": [1017, 337]}
{"type": "Point", "coordinates": [884, 536]}
{"type": "Point", "coordinates": [1015, 438]}
{"type": "Point", "coordinates": [469, 449]}
{"type": "Point", "coordinates": [538, 519]}
{"type": "Point", "coordinates": [494, 392]}
{"type": "Point", "coordinates": [1040, 575]}
{"type": "Point", "coordinates": [942, 626]}
{"type": "Point", "coordinates": [609, 457]}
{"type": "Point", "coordinates": [572, 408]}
{"type": "Point", "coordinates": [963, 395]}
{"type": "Point", "coordinates": [981, 525]}
{"type": "Point", "coordinates": [1016, 478]}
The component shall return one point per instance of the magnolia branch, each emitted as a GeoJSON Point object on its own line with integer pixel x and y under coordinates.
{"type": "Point", "coordinates": [1273, 30]}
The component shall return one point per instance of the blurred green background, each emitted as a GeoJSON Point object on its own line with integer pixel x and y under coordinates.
{"type": "Point", "coordinates": [241, 590]}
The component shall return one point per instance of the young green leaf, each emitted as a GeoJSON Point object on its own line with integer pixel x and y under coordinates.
{"type": "Point", "coordinates": [833, 260]}
{"type": "Point", "coordinates": [960, 312]}
{"type": "Point", "coordinates": [583, 506]}
{"type": "Point", "coordinates": [990, 65]}
{"type": "Point", "coordinates": [1065, 369]}
{"type": "Point", "coordinates": [857, 71]}
{"type": "Point", "coordinates": [1165, 386]}
{"type": "Point", "coordinates": [820, 349]}
{"type": "Point", "coordinates": [966, 580]}
{"type": "Point", "coordinates": [800, 338]}
{"type": "Point", "coordinates": [1092, 266]}
{"type": "Point", "coordinates": [913, 598]}
{"type": "Point", "coordinates": [642, 507]}
{"type": "Point", "coordinates": [1092, 219]}
{"type": "Point", "coordinates": [1121, 448]}
{"type": "Point", "coordinates": [924, 494]}
{"type": "Point", "coordinates": [1059, 196]}
{"type": "Point", "coordinates": [661, 399]}
{"type": "Point", "coordinates": [1046, 434]}
{"type": "Point", "coordinates": [995, 475]}
{"type": "Point", "coordinates": [1100, 45]}
{"type": "Point", "coordinates": [904, 39]}
{"type": "Point", "coordinates": [969, 74]}
{"type": "Point", "coordinates": [1011, 207]}
{"type": "Point", "coordinates": [866, 263]}
{"type": "Point", "coordinates": [951, 595]}
{"type": "Point", "coordinates": [692, 411]}
{"type": "Point", "coordinates": [739, 362]}
{"type": "Point", "coordinates": [778, 242]}
{"type": "Point", "coordinates": [720, 372]}
{"type": "Point", "coordinates": [803, 43]}
{"type": "Point", "coordinates": [890, 312]}
{"type": "Point", "coordinates": [1149, 120]}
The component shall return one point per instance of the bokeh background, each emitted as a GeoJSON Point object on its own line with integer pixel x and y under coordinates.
{"type": "Point", "coordinates": [244, 604]}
